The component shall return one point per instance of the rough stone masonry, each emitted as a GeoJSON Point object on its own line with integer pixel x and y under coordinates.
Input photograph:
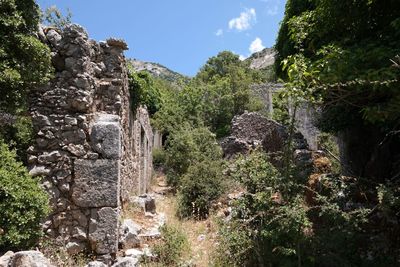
{"type": "Point", "coordinates": [90, 149]}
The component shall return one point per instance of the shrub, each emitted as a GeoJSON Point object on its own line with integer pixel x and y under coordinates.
{"type": "Point", "coordinates": [186, 147]}
{"type": "Point", "coordinates": [170, 250]}
{"type": "Point", "coordinates": [18, 136]}
{"type": "Point", "coordinates": [201, 185]}
{"type": "Point", "coordinates": [159, 157]}
{"type": "Point", "coordinates": [273, 225]}
{"type": "Point", "coordinates": [268, 225]}
{"type": "Point", "coordinates": [23, 203]}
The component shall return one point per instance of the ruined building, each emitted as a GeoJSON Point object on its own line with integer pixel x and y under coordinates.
{"type": "Point", "coordinates": [92, 150]}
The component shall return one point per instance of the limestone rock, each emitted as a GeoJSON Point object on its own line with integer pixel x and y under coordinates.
{"type": "Point", "coordinates": [146, 202]}
{"type": "Point", "coordinates": [6, 259]}
{"type": "Point", "coordinates": [134, 253]}
{"type": "Point", "coordinates": [96, 183]}
{"type": "Point", "coordinates": [128, 233]}
{"type": "Point", "coordinates": [76, 150]}
{"type": "Point", "coordinates": [103, 230]}
{"type": "Point", "coordinates": [29, 259]}
{"type": "Point", "coordinates": [75, 247]}
{"type": "Point", "coordinates": [232, 146]}
{"type": "Point", "coordinates": [96, 264]}
{"type": "Point", "coordinates": [105, 139]}
{"type": "Point", "coordinates": [117, 43]}
{"type": "Point", "coordinates": [53, 37]}
{"type": "Point", "coordinates": [39, 171]}
{"type": "Point", "coordinates": [126, 262]}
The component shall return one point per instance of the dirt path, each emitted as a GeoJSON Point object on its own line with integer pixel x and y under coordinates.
{"type": "Point", "coordinates": [201, 234]}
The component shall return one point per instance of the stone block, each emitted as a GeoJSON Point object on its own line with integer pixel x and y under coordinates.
{"type": "Point", "coordinates": [103, 230]}
{"type": "Point", "coordinates": [106, 139]}
{"type": "Point", "coordinates": [96, 183]}
{"type": "Point", "coordinates": [128, 234]}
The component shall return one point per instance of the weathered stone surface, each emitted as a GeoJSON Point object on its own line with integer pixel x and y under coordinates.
{"type": "Point", "coordinates": [117, 43]}
{"type": "Point", "coordinates": [134, 253]}
{"type": "Point", "coordinates": [250, 130]}
{"type": "Point", "coordinates": [103, 230]}
{"type": "Point", "coordinates": [126, 262]}
{"type": "Point", "coordinates": [96, 183]}
{"type": "Point", "coordinates": [128, 234]}
{"type": "Point", "coordinates": [39, 170]}
{"type": "Point", "coordinates": [89, 145]}
{"type": "Point", "coordinates": [29, 259]}
{"type": "Point", "coordinates": [232, 145]}
{"type": "Point", "coordinates": [147, 202]}
{"type": "Point", "coordinates": [106, 139]}
{"type": "Point", "coordinates": [6, 259]}
{"type": "Point", "coordinates": [75, 247]}
{"type": "Point", "coordinates": [54, 37]}
{"type": "Point", "coordinates": [95, 264]}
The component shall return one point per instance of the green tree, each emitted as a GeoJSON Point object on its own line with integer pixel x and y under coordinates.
{"type": "Point", "coordinates": [54, 18]}
{"type": "Point", "coordinates": [24, 61]}
{"type": "Point", "coordinates": [188, 146]}
{"type": "Point", "coordinates": [344, 55]}
{"type": "Point", "coordinates": [144, 91]}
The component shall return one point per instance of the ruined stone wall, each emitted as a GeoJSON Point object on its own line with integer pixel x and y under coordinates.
{"type": "Point", "coordinates": [305, 114]}
{"type": "Point", "coordinates": [265, 93]}
{"type": "Point", "coordinates": [305, 123]}
{"type": "Point", "coordinates": [90, 149]}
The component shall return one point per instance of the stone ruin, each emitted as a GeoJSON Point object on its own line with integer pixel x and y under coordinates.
{"type": "Point", "coordinates": [92, 152]}
{"type": "Point", "coordinates": [305, 113]}
{"type": "Point", "coordinates": [252, 130]}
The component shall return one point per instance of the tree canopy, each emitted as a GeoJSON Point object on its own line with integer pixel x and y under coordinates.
{"type": "Point", "coordinates": [348, 52]}
{"type": "Point", "coordinates": [24, 61]}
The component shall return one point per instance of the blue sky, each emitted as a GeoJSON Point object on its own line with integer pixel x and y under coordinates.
{"type": "Point", "coordinates": [180, 34]}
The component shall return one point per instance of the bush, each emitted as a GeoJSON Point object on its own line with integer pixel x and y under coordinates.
{"type": "Point", "coordinates": [170, 250]}
{"type": "Point", "coordinates": [200, 186]}
{"type": "Point", "coordinates": [159, 157]}
{"type": "Point", "coordinates": [268, 225]}
{"type": "Point", "coordinates": [273, 225]}
{"type": "Point", "coordinates": [18, 136]}
{"type": "Point", "coordinates": [23, 203]}
{"type": "Point", "coordinates": [186, 147]}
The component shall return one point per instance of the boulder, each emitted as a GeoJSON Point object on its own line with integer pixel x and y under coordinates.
{"type": "Point", "coordinates": [128, 234]}
{"type": "Point", "coordinates": [6, 259]}
{"type": "Point", "coordinates": [126, 262]}
{"type": "Point", "coordinates": [29, 259]}
{"type": "Point", "coordinates": [95, 264]}
{"type": "Point", "coordinates": [134, 253]}
{"type": "Point", "coordinates": [53, 37]}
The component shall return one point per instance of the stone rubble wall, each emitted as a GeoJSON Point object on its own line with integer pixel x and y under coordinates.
{"type": "Point", "coordinates": [90, 149]}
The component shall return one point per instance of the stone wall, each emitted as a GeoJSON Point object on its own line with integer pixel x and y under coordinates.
{"type": "Point", "coordinates": [305, 114]}
{"type": "Point", "coordinates": [91, 151]}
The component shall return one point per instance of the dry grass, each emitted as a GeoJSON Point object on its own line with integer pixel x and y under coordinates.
{"type": "Point", "coordinates": [57, 254]}
{"type": "Point", "coordinates": [200, 249]}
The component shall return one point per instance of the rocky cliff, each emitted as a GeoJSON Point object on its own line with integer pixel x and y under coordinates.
{"type": "Point", "coordinates": [158, 71]}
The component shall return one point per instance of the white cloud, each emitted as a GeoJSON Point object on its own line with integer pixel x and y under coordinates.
{"type": "Point", "coordinates": [241, 57]}
{"type": "Point", "coordinates": [219, 32]}
{"type": "Point", "coordinates": [244, 21]}
{"type": "Point", "coordinates": [256, 46]}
